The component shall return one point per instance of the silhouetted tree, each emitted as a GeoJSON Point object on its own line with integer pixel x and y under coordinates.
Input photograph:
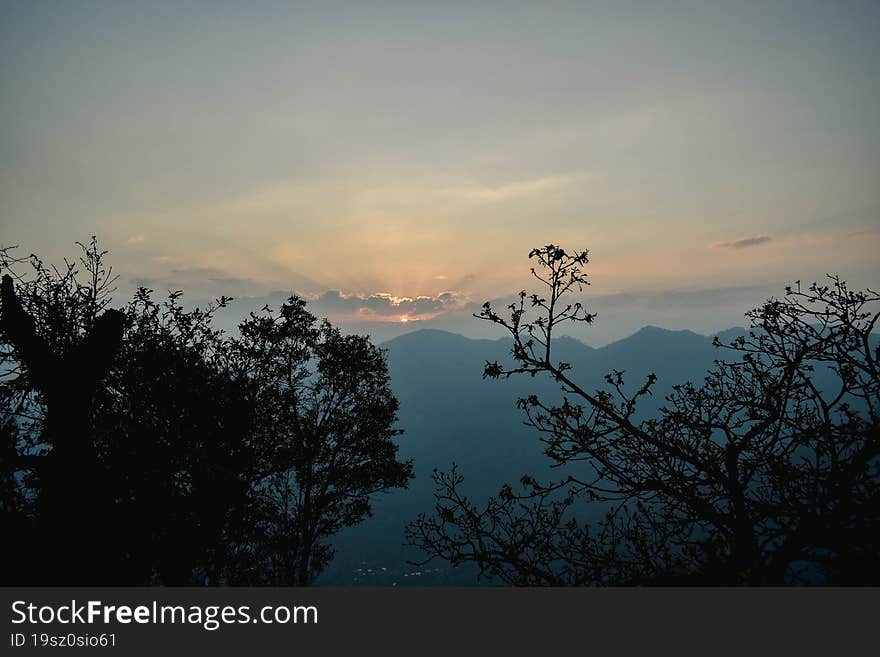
{"type": "Point", "coordinates": [325, 416]}
{"type": "Point", "coordinates": [153, 452]}
{"type": "Point", "coordinates": [766, 473]}
{"type": "Point", "coordinates": [176, 431]}
{"type": "Point", "coordinates": [63, 367]}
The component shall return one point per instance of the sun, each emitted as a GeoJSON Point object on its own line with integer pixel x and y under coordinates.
{"type": "Point", "coordinates": [404, 320]}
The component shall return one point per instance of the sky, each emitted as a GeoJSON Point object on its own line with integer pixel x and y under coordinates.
{"type": "Point", "coordinates": [394, 162]}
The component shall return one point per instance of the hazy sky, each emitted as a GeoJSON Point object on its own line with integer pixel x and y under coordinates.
{"type": "Point", "coordinates": [367, 152]}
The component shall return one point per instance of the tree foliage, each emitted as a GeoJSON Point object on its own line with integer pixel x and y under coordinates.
{"type": "Point", "coordinates": [325, 417]}
{"type": "Point", "coordinates": [164, 462]}
{"type": "Point", "coordinates": [767, 472]}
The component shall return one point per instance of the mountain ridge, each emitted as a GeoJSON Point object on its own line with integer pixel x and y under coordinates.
{"type": "Point", "coordinates": [450, 414]}
{"type": "Point", "coordinates": [647, 330]}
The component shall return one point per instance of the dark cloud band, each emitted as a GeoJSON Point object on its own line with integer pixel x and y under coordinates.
{"type": "Point", "coordinates": [744, 243]}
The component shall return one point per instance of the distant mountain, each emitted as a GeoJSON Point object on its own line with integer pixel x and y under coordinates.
{"type": "Point", "coordinates": [451, 414]}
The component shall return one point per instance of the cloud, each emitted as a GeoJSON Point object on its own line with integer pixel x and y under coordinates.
{"type": "Point", "coordinates": [381, 306]}
{"type": "Point", "coordinates": [200, 282]}
{"type": "Point", "coordinates": [867, 232]}
{"type": "Point", "coordinates": [135, 239]}
{"type": "Point", "coordinates": [209, 282]}
{"type": "Point", "coordinates": [680, 299]}
{"type": "Point", "coordinates": [744, 243]}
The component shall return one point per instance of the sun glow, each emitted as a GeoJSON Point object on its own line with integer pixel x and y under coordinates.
{"type": "Point", "coordinates": [404, 320]}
